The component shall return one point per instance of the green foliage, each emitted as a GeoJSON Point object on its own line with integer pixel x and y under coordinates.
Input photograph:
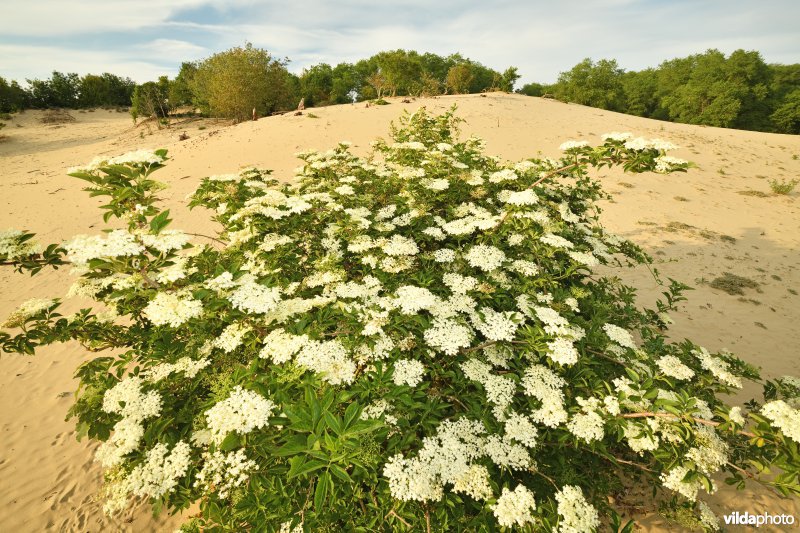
{"type": "Point", "coordinates": [12, 97]}
{"type": "Point", "coordinates": [593, 84]}
{"type": "Point", "coordinates": [232, 83]}
{"type": "Point", "coordinates": [61, 90]}
{"type": "Point", "coordinates": [105, 90]}
{"type": "Point", "coordinates": [459, 79]}
{"type": "Point", "coordinates": [738, 91]}
{"type": "Point", "coordinates": [783, 186]}
{"type": "Point", "coordinates": [180, 89]}
{"type": "Point", "coordinates": [787, 116]}
{"type": "Point", "coordinates": [151, 99]}
{"type": "Point", "coordinates": [412, 340]}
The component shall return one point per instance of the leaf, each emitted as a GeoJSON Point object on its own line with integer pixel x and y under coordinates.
{"type": "Point", "coordinates": [231, 442]}
{"type": "Point", "coordinates": [321, 491]}
{"type": "Point", "coordinates": [334, 422]}
{"type": "Point", "coordinates": [341, 473]}
{"type": "Point", "coordinates": [160, 221]}
{"type": "Point", "coordinates": [304, 468]}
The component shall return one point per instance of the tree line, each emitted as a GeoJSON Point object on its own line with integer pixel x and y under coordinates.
{"type": "Point", "coordinates": [234, 82]}
{"type": "Point", "coordinates": [738, 91]}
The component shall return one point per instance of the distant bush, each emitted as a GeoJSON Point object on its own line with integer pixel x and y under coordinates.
{"type": "Point", "coordinates": [783, 186]}
{"type": "Point", "coordinates": [151, 99]}
{"type": "Point", "coordinates": [231, 84]}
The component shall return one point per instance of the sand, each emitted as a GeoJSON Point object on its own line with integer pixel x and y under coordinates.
{"type": "Point", "coordinates": [697, 225]}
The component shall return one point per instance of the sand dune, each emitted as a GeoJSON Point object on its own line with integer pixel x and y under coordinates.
{"type": "Point", "coordinates": [698, 226]}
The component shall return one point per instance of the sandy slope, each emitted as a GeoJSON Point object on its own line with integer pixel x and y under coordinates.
{"type": "Point", "coordinates": [697, 225]}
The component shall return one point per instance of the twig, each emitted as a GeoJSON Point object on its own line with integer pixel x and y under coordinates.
{"type": "Point", "coordinates": [392, 513]}
{"type": "Point", "coordinates": [428, 520]}
{"type": "Point", "coordinates": [208, 237]}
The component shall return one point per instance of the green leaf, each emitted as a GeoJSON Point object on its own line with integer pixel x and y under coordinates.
{"type": "Point", "coordinates": [321, 491]}
{"type": "Point", "coordinates": [304, 468]}
{"type": "Point", "coordinates": [341, 473]}
{"type": "Point", "coordinates": [160, 221]}
{"type": "Point", "coordinates": [334, 422]}
{"type": "Point", "coordinates": [231, 442]}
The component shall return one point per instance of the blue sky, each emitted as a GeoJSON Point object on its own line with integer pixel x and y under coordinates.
{"type": "Point", "coordinates": [147, 38]}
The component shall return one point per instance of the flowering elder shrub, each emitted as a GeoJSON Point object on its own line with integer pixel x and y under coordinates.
{"type": "Point", "coordinates": [413, 340]}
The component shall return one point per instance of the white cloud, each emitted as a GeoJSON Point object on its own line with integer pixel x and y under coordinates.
{"type": "Point", "coordinates": [22, 61]}
{"type": "Point", "coordinates": [541, 38]}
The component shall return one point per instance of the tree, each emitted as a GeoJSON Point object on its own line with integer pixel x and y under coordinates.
{"type": "Point", "coordinates": [232, 83]}
{"type": "Point", "coordinates": [508, 79]}
{"type": "Point", "coordinates": [316, 85]}
{"type": "Point", "coordinates": [459, 78]}
{"type": "Point", "coordinates": [640, 89]}
{"type": "Point", "coordinates": [151, 99]}
{"type": "Point", "coordinates": [61, 90]}
{"type": "Point", "coordinates": [787, 117]}
{"type": "Point", "coordinates": [105, 90]}
{"type": "Point", "coordinates": [593, 84]}
{"type": "Point", "coordinates": [12, 96]}
{"type": "Point", "coordinates": [180, 89]}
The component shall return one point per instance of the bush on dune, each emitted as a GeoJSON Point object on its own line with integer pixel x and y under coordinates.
{"type": "Point", "coordinates": [415, 340]}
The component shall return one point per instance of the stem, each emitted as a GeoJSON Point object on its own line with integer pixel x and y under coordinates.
{"type": "Point", "coordinates": [208, 237]}
{"type": "Point", "coordinates": [428, 520]}
{"type": "Point", "coordinates": [392, 513]}
{"type": "Point", "coordinates": [648, 414]}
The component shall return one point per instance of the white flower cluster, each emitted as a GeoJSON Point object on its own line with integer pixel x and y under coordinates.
{"type": "Point", "coordinates": [446, 458]}
{"type": "Point", "coordinates": [126, 399]}
{"type": "Point", "coordinates": [526, 197]}
{"type": "Point", "coordinates": [328, 358]}
{"type": "Point", "coordinates": [408, 372]}
{"type": "Point", "coordinates": [556, 241]}
{"type": "Point", "coordinates": [242, 411]}
{"type": "Point", "coordinates": [577, 514]}
{"type": "Point", "coordinates": [573, 145]}
{"type": "Point", "coordinates": [160, 471]}
{"type": "Point", "coordinates": [166, 241]}
{"type": "Point", "coordinates": [620, 336]}
{"type": "Point", "coordinates": [665, 163]}
{"type": "Point", "coordinates": [252, 297]}
{"type": "Point", "coordinates": [280, 346]}
{"type": "Point", "coordinates": [26, 310]}
{"type": "Point", "coordinates": [119, 243]}
{"type": "Point", "coordinates": [673, 480]}
{"type": "Point", "coordinates": [673, 367]}
{"type": "Point", "coordinates": [718, 367]}
{"type": "Point", "coordinates": [448, 336]}
{"type": "Point", "coordinates": [485, 257]}
{"type": "Point", "coordinates": [231, 337]}
{"type": "Point", "coordinates": [168, 309]}
{"type": "Point", "coordinates": [588, 424]}
{"type": "Point", "coordinates": [783, 417]}
{"type": "Point", "coordinates": [499, 389]}
{"type": "Point", "coordinates": [544, 385]}
{"type": "Point", "coordinates": [513, 508]}
{"type": "Point", "coordinates": [562, 351]}
{"type": "Point", "coordinates": [12, 248]}
{"type": "Point", "coordinates": [496, 325]}
{"type": "Point", "coordinates": [222, 472]}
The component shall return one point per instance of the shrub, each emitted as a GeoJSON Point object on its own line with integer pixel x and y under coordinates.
{"type": "Point", "coordinates": [418, 337]}
{"type": "Point", "coordinates": [783, 186]}
{"type": "Point", "coordinates": [231, 83]}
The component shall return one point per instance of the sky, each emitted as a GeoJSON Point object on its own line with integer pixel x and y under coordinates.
{"type": "Point", "coordinates": [144, 39]}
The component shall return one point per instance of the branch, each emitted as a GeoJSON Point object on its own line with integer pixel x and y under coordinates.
{"type": "Point", "coordinates": [648, 414]}
{"type": "Point", "coordinates": [392, 513]}
{"type": "Point", "coordinates": [208, 237]}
